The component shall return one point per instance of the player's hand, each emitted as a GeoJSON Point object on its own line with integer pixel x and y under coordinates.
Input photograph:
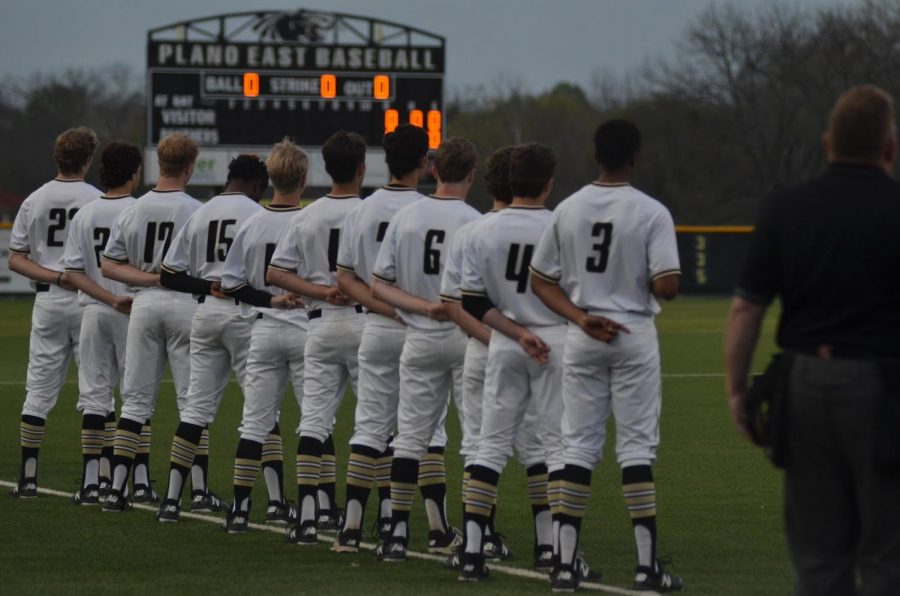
{"type": "Point", "coordinates": [65, 284]}
{"type": "Point", "coordinates": [285, 302]}
{"type": "Point", "coordinates": [439, 311]}
{"type": "Point", "coordinates": [122, 304]}
{"type": "Point", "coordinates": [535, 347]}
{"type": "Point", "coordinates": [335, 296]}
{"type": "Point", "coordinates": [216, 290]}
{"type": "Point", "coordinates": [601, 328]}
{"type": "Point", "coordinates": [736, 407]}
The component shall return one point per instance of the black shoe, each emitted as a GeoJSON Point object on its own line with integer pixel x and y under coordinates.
{"type": "Point", "coordinates": [26, 488]}
{"type": "Point", "coordinates": [304, 534]}
{"type": "Point", "coordinates": [543, 558]}
{"type": "Point", "coordinates": [104, 488]}
{"type": "Point", "coordinates": [444, 543]}
{"type": "Point", "coordinates": [236, 522]}
{"type": "Point", "coordinates": [144, 493]}
{"type": "Point", "coordinates": [116, 503]}
{"type": "Point", "coordinates": [495, 548]}
{"type": "Point", "coordinates": [347, 541]}
{"type": "Point", "coordinates": [392, 551]}
{"type": "Point", "coordinates": [89, 495]}
{"type": "Point", "coordinates": [472, 568]}
{"type": "Point", "coordinates": [659, 580]}
{"type": "Point", "coordinates": [564, 579]}
{"type": "Point", "coordinates": [452, 562]}
{"type": "Point", "coordinates": [330, 520]}
{"type": "Point", "coordinates": [382, 529]}
{"type": "Point", "coordinates": [584, 571]}
{"type": "Point", "coordinates": [207, 502]}
{"type": "Point", "coordinates": [281, 513]}
{"type": "Point", "coordinates": [169, 512]}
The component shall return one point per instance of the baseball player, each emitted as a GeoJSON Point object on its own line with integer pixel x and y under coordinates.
{"type": "Point", "coordinates": [277, 340]}
{"type": "Point", "coordinates": [382, 341]}
{"type": "Point", "coordinates": [524, 361]}
{"type": "Point", "coordinates": [304, 263]}
{"type": "Point", "coordinates": [104, 323]}
{"type": "Point", "coordinates": [160, 322]}
{"type": "Point", "coordinates": [608, 252]}
{"type": "Point", "coordinates": [36, 251]}
{"type": "Point", "coordinates": [220, 329]}
{"type": "Point", "coordinates": [407, 275]}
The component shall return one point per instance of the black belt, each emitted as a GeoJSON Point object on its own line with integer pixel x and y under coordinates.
{"type": "Point", "coordinates": [41, 287]}
{"type": "Point", "coordinates": [259, 315]}
{"type": "Point", "coordinates": [202, 299]}
{"type": "Point", "coordinates": [316, 313]}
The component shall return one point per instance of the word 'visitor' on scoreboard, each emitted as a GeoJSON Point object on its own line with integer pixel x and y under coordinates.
{"type": "Point", "coordinates": [246, 80]}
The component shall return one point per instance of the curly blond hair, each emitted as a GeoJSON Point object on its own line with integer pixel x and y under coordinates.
{"type": "Point", "coordinates": [74, 148]}
{"type": "Point", "coordinates": [287, 165]}
{"type": "Point", "coordinates": [176, 153]}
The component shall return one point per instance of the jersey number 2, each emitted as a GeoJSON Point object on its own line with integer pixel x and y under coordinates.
{"type": "Point", "coordinates": [59, 217]}
{"type": "Point", "coordinates": [101, 235]}
{"type": "Point", "coordinates": [516, 268]}
{"type": "Point", "coordinates": [597, 263]}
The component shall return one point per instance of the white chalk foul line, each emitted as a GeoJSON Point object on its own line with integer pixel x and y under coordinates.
{"type": "Point", "coordinates": [495, 568]}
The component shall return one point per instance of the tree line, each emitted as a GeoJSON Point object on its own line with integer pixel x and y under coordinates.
{"type": "Point", "coordinates": [736, 111]}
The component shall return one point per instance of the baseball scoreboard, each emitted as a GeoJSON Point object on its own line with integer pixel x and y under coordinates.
{"type": "Point", "coordinates": [240, 82]}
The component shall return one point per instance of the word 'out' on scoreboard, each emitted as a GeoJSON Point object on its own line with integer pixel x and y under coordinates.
{"type": "Point", "coordinates": [240, 82]}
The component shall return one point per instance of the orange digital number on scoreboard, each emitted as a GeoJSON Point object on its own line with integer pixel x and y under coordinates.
{"type": "Point", "coordinates": [417, 118]}
{"type": "Point", "coordinates": [251, 84]}
{"type": "Point", "coordinates": [381, 87]}
{"type": "Point", "coordinates": [328, 86]}
{"type": "Point", "coordinates": [391, 120]}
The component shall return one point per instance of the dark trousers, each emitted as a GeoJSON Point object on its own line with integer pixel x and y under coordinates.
{"type": "Point", "coordinates": [842, 515]}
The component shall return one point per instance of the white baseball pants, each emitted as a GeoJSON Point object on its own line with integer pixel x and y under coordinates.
{"type": "Point", "coordinates": [104, 332]}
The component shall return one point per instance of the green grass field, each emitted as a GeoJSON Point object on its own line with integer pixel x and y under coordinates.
{"type": "Point", "coordinates": [719, 500]}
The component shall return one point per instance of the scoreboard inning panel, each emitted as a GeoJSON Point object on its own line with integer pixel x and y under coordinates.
{"type": "Point", "coordinates": [246, 80]}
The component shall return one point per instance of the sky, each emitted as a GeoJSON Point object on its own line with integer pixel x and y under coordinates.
{"type": "Point", "coordinates": [532, 43]}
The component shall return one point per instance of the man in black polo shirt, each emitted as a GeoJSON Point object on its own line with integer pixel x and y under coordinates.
{"type": "Point", "coordinates": [830, 250]}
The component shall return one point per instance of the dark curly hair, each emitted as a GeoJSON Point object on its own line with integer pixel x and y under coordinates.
{"type": "Point", "coordinates": [343, 153]}
{"type": "Point", "coordinates": [404, 149]}
{"type": "Point", "coordinates": [496, 178]}
{"type": "Point", "coordinates": [118, 163]}
{"type": "Point", "coordinates": [249, 168]}
{"type": "Point", "coordinates": [616, 144]}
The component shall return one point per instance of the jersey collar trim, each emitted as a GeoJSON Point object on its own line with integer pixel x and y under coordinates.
{"type": "Point", "coordinates": [68, 179]}
{"type": "Point", "coordinates": [447, 198]}
{"type": "Point", "coordinates": [282, 207]}
{"type": "Point", "coordinates": [610, 185]}
{"type": "Point", "coordinates": [166, 191]}
{"type": "Point", "coordinates": [331, 196]}
{"type": "Point", "coordinates": [396, 187]}
{"type": "Point", "coordinates": [115, 198]}
{"type": "Point", "coordinates": [527, 207]}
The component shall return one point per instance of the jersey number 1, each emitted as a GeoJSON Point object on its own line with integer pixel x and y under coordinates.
{"type": "Point", "coordinates": [516, 268]}
{"type": "Point", "coordinates": [598, 262]}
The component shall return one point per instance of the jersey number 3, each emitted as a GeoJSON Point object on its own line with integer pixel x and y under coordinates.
{"type": "Point", "coordinates": [597, 263]}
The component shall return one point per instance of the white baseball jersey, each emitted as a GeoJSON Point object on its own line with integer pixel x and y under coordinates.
{"type": "Point", "coordinates": [605, 245]}
{"type": "Point", "coordinates": [309, 247]}
{"type": "Point", "coordinates": [451, 279]}
{"type": "Point", "coordinates": [366, 226]}
{"type": "Point", "coordinates": [202, 245]}
{"type": "Point", "coordinates": [144, 231]}
{"type": "Point", "coordinates": [88, 235]}
{"type": "Point", "coordinates": [414, 249]}
{"type": "Point", "coordinates": [250, 255]}
{"type": "Point", "coordinates": [42, 223]}
{"type": "Point", "coordinates": [497, 260]}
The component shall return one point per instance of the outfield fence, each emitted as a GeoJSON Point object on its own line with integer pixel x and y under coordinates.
{"type": "Point", "coordinates": [711, 257]}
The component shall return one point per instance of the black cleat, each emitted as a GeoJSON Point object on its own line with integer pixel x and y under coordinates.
{"type": "Point", "coordinates": [495, 548]}
{"type": "Point", "coordinates": [659, 580]}
{"type": "Point", "coordinates": [564, 579]}
{"type": "Point", "coordinates": [237, 520]}
{"type": "Point", "coordinates": [207, 502]}
{"type": "Point", "coordinates": [144, 493]}
{"type": "Point", "coordinates": [304, 534]}
{"type": "Point", "coordinates": [543, 558]}
{"type": "Point", "coordinates": [169, 512]}
{"type": "Point", "coordinates": [452, 562]}
{"type": "Point", "coordinates": [26, 488]}
{"type": "Point", "coordinates": [347, 541]}
{"type": "Point", "coordinates": [472, 568]}
{"type": "Point", "coordinates": [88, 495]}
{"type": "Point", "coordinates": [116, 503]}
{"type": "Point", "coordinates": [105, 486]}
{"type": "Point", "coordinates": [281, 513]}
{"type": "Point", "coordinates": [330, 520]}
{"type": "Point", "coordinates": [382, 529]}
{"type": "Point", "coordinates": [444, 543]}
{"type": "Point", "coordinates": [392, 551]}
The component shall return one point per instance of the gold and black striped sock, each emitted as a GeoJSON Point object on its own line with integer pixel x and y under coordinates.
{"type": "Point", "coordinates": [432, 482]}
{"type": "Point", "coordinates": [554, 479]}
{"type": "Point", "coordinates": [142, 457]}
{"type": "Point", "coordinates": [273, 465]}
{"type": "Point", "coordinates": [574, 493]}
{"type": "Point", "coordinates": [125, 446]}
{"type": "Point", "coordinates": [31, 435]}
{"type": "Point", "coordinates": [184, 447]}
{"type": "Point", "coordinates": [200, 467]}
{"type": "Point", "coordinates": [309, 465]}
{"type": "Point", "coordinates": [360, 476]}
{"type": "Point", "coordinates": [109, 440]}
{"type": "Point", "coordinates": [404, 472]}
{"type": "Point", "coordinates": [246, 469]}
{"type": "Point", "coordinates": [327, 476]}
{"type": "Point", "coordinates": [540, 504]}
{"type": "Point", "coordinates": [639, 491]}
{"type": "Point", "coordinates": [479, 503]}
{"type": "Point", "coordinates": [92, 431]}
{"type": "Point", "coordinates": [383, 481]}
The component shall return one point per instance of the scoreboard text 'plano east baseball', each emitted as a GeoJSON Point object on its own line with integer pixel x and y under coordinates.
{"type": "Point", "coordinates": [243, 81]}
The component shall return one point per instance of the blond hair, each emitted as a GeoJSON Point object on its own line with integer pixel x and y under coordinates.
{"type": "Point", "coordinates": [74, 148]}
{"type": "Point", "coordinates": [176, 153]}
{"type": "Point", "coordinates": [861, 123]}
{"type": "Point", "coordinates": [287, 165]}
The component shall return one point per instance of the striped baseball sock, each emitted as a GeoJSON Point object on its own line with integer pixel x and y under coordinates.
{"type": "Point", "coordinates": [360, 475]}
{"type": "Point", "coordinates": [404, 472]}
{"type": "Point", "coordinates": [383, 480]}
{"type": "Point", "coordinates": [433, 486]}
{"type": "Point", "coordinates": [640, 499]}
{"type": "Point", "coordinates": [540, 505]}
{"type": "Point", "coordinates": [125, 446]}
{"type": "Point", "coordinates": [184, 448]}
{"type": "Point", "coordinates": [246, 468]}
{"type": "Point", "coordinates": [273, 465]}
{"type": "Point", "coordinates": [574, 492]}
{"type": "Point", "coordinates": [200, 467]}
{"type": "Point", "coordinates": [327, 476]}
{"type": "Point", "coordinates": [142, 457]}
{"type": "Point", "coordinates": [309, 464]}
{"type": "Point", "coordinates": [480, 498]}
{"type": "Point", "coordinates": [31, 434]}
{"type": "Point", "coordinates": [92, 432]}
{"type": "Point", "coordinates": [109, 440]}
{"type": "Point", "coordinates": [554, 480]}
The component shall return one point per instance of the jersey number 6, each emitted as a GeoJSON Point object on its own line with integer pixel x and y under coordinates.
{"type": "Point", "coordinates": [432, 262]}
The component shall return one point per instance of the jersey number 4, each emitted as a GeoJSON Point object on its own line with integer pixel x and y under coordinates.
{"type": "Point", "coordinates": [59, 218]}
{"type": "Point", "coordinates": [157, 231]}
{"type": "Point", "coordinates": [517, 268]}
{"type": "Point", "coordinates": [432, 262]}
{"type": "Point", "coordinates": [218, 242]}
{"type": "Point", "coordinates": [597, 263]}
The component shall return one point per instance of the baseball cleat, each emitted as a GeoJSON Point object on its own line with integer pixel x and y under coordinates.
{"type": "Point", "coordinates": [347, 541]}
{"type": "Point", "coordinates": [564, 580]}
{"type": "Point", "coordinates": [115, 503]}
{"type": "Point", "coordinates": [26, 488]}
{"type": "Point", "coordinates": [207, 501]}
{"type": "Point", "coordinates": [472, 568]}
{"type": "Point", "coordinates": [304, 534]}
{"type": "Point", "coordinates": [495, 548]}
{"type": "Point", "coordinates": [89, 495]}
{"type": "Point", "coordinates": [236, 522]}
{"type": "Point", "coordinates": [382, 529]}
{"type": "Point", "coordinates": [281, 513]}
{"type": "Point", "coordinates": [584, 571]}
{"type": "Point", "coordinates": [543, 558]}
{"type": "Point", "coordinates": [143, 493]}
{"type": "Point", "coordinates": [444, 543]}
{"type": "Point", "coordinates": [105, 486]}
{"type": "Point", "coordinates": [658, 580]}
{"type": "Point", "coordinates": [392, 551]}
{"type": "Point", "coordinates": [452, 561]}
{"type": "Point", "coordinates": [330, 520]}
{"type": "Point", "coordinates": [169, 512]}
